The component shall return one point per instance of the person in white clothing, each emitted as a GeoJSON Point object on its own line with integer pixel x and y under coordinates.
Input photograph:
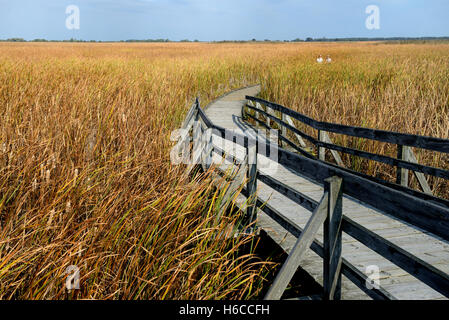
{"type": "Point", "coordinates": [319, 59]}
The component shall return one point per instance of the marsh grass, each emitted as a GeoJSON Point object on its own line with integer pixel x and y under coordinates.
{"type": "Point", "coordinates": [86, 178]}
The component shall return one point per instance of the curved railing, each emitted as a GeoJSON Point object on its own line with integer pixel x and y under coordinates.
{"type": "Point", "coordinates": [424, 211]}
{"type": "Point", "coordinates": [405, 161]}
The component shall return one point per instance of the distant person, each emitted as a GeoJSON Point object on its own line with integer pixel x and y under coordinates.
{"type": "Point", "coordinates": [328, 59]}
{"type": "Point", "coordinates": [319, 59]}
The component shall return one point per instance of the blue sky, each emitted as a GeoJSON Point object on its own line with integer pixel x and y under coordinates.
{"type": "Point", "coordinates": [206, 20]}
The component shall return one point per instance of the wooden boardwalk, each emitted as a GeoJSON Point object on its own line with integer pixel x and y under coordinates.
{"type": "Point", "coordinates": [226, 112]}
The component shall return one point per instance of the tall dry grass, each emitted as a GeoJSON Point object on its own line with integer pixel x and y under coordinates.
{"type": "Point", "coordinates": [401, 88]}
{"type": "Point", "coordinates": [84, 154]}
{"type": "Point", "coordinates": [87, 181]}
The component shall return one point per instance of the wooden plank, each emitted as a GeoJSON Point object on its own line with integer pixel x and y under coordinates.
{"type": "Point", "coordinates": [407, 288]}
{"type": "Point", "coordinates": [430, 143]}
{"type": "Point", "coordinates": [402, 174]}
{"type": "Point", "coordinates": [206, 157]}
{"type": "Point", "coordinates": [321, 150]}
{"type": "Point", "coordinates": [421, 178]}
{"type": "Point", "coordinates": [258, 114]}
{"type": "Point", "coordinates": [268, 110]}
{"type": "Point", "coordinates": [283, 138]}
{"type": "Point", "coordinates": [350, 271]}
{"type": "Point", "coordinates": [437, 172]}
{"type": "Point", "coordinates": [288, 192]}
{"type": "Point", "coordinates": [289, 120]}
{"type": "Point", "coordinates": [284, 130]}
{"type": "Point", "coordinates": [285, 124]}
{"type": "Point", "coordinates": [433, 277]}
{"type": "Point", "coordinates": [237, 180]}
{"type": "Point", "coordinates": [424, 214]}
{"type": "Point", "coordinates": [190, 115]}
{"type": "Point", "coordinates": [183, 145]}
{"type": "Point", "coordinates": [333, 240]}
{"type": "Point", "coordinates": [198, 147]}
{"type": "Point", "coordinates": [316, 174]}
{"type": "Point", "coordinates": [334, 153]}
{"type": "Point", "coordinates": [251, 185]}
{"type": "Point", "coordinates": [411, 192]}
{"type": "Point", "coordinates": [294, 259]}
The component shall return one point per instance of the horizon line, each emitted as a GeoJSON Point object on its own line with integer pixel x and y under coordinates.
{"type": "Point", "coordinates": [307, 39]}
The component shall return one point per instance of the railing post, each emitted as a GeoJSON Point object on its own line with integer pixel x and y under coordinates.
{"type": "Point", "coordinates": [208, 149]}
{"type": "Point", "coordinates": [283, 129]}
{"type": "Point", "coordinates": [297, 253]}
{"type": "Point", "coordinates": [196, 117]}
{"type": "Point", "coordinates": [194, 150]}
{"type": "Point", "coordinates": [332, 240]}
{"type": "Point", "coordinates": [401, 173]}
{"type": "Point", "coordinates": [212, 149]}
{"type": "Point", "coordinates": [321, 150]}
{"type": "Point", "coordinates": [267, 110]}
{"type": "Point", "coordinates": [251, 185]}
{"type": "Point", "coordinates": [257, 114]}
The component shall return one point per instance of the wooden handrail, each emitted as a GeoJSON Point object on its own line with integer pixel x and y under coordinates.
{"type": "Point", "coordinates": [430, 143]}
{"type": "Point", "coordinates": [297, 253]}
{"type": "Point", "coordinates": [404, 162]}
{"type": "Point", "coordinates": [430, 216]}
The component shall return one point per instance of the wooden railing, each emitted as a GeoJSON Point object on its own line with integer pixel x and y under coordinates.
{"type": "Point", "coordinates": [404, 162]}
{"type": "Point", "coordinates": [424, 211]}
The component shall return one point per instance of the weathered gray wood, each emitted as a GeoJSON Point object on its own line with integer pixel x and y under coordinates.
{"type": "Point", "coordinates": [422, 270]}
{"type": "Point", "coordinates": [348, 269]}
{"type": "Point", "coordinates": [394, 186]}
{"type": "Point", "coordinates": [190, 116]}
{"type": "Point", "coordinates": [251, 185]}
{"type": "Point", "coordinates": [283, 138]}
{"type": "Point", "coordinates": [283, 130]}
{"type": "Point", "coordinates": [237, 180]}
{"type": "Point", "coordinates": [294, 259]}
{"type": "Point", "coordinates": [423, 214]}
{"type": "Point", "coordinates": [198, 147]}
{"type": "Point", "coordinates": [396, 200]}
{"type": "Point", "coordinates": [402, 174]}
{"type": "Point", "coordinates": [282, 123]}
{"type": "Point", "coordinates": [334, 153]}
{"type": "Point", "coordinates": [430, 143]}
{"type": "Point", "coordinates": [268, 110]}
{"type": "Point", "coordinates": [332, 240]}
{"type": "Point", "coordinates": [183, 145]}
{"type": "Point", "coordinates": [258, 114]}
{"type": "Point", "coordinates": [301, 199]}
{"type": "Point", "coordinates": [321, 150]}
{"type": "Point", "coordinates": [289, 120]}
{"type": "Point", "coordinates": [421, 178]}
{"type": "Point", "coordinates": [244, 113]}
{"type": "Point", "coordinates": [437, 172]}
{"type": "Point", "coordinates": [206, 157]}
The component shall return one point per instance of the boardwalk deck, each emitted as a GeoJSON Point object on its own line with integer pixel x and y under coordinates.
{"type": "Point", "coordinates": [227, 113]}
